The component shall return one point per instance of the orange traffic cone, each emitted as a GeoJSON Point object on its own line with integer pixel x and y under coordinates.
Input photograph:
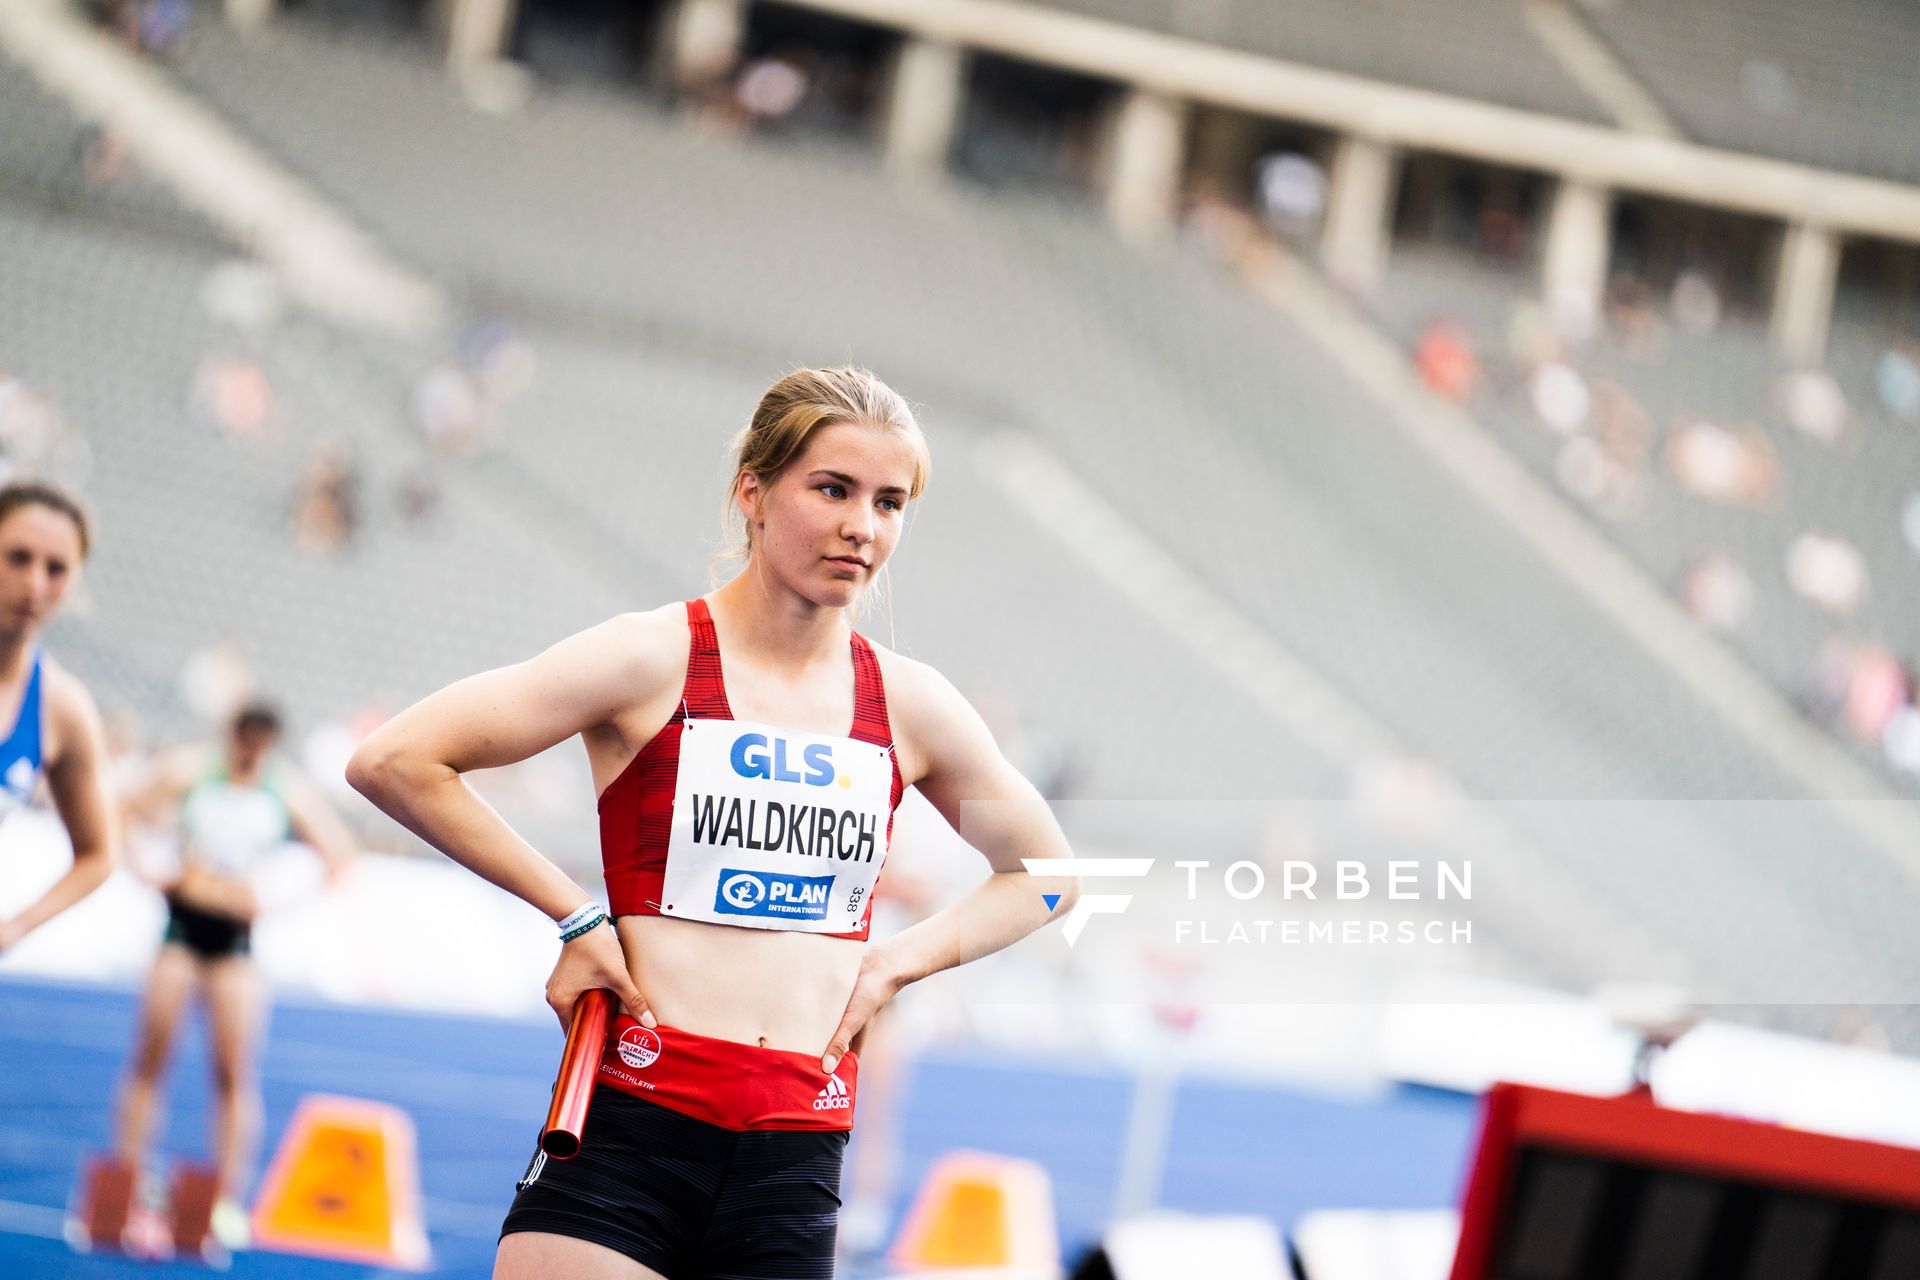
{"type": "Point", "coordinates": [345, 1183]}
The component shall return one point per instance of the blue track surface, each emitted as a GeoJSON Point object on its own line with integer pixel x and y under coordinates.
{"type": "Point", "coordinates": [477, 1088]}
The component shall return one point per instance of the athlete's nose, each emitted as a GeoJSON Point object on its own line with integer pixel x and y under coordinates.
{"type": "Point", "coordinates": [858, 529]}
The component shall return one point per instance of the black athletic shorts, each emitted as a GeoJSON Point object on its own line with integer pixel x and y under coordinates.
{"type": "Point", "coordinates": [689, 1199]}
{"type": "Point", "coordinates": [205, 933]}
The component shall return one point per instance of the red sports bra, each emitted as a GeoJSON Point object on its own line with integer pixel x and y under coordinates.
{"type": "Point", "coordinates": [637, 808]}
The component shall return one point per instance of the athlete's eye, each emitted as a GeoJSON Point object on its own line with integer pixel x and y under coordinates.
{"type": "Point", "coordinates": [55, 569]}
{"type": "Point", "coordinates": [892, 504]}
{"type": "Point", "coordinates": [833, 490]}
{"type": "Point", "coordinates": [19, 557]}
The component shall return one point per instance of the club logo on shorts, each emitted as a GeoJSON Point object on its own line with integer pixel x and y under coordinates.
{"type": "Point", "coordinates": [834, 1097]}
{"type": "Point", "coordinates": [639, 1047]}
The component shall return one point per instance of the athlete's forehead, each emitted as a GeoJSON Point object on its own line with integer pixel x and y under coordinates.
{"type": "Point", "coordinates": [859, 453]}
{"type": "Point", "coordinates": [43, 529]}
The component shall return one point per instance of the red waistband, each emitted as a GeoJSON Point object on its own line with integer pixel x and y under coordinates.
{"type": "Point", "coordinates": [728, 1084]}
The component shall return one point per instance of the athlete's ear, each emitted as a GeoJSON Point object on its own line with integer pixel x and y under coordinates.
{"type": "Point", "coordinates": [748, 496]}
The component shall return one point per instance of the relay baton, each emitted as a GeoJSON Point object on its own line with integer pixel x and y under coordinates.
{"type": "Point", "coordinates": [579, 1065]}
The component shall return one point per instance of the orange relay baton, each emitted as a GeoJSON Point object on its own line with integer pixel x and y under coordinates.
{"type": "Point", "coordinates": [579, 1065]}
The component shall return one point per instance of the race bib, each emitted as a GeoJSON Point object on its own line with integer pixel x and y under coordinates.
{"type": "Point", "coordinates": [774, 829]}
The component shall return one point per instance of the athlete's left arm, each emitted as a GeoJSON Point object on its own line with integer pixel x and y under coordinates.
{"type": "Point", "coordinates": [76, 770]}
{"type": "Point", "coordinates": [317, 826]}
{"type": "Point", "coordinates": [947, 752]}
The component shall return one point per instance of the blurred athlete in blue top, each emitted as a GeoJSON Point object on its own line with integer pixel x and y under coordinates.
{"type": "Point", "coordinates": [53, 731]}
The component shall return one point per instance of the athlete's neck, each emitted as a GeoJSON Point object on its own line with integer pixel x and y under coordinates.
{"type": "Point", "coordinates": [779, 629]}
{"type": "Point", "coordinates": [16, 654]}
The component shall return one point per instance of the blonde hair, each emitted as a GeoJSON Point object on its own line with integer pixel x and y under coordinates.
{"type": "Point", "coordinates": [787, 416]}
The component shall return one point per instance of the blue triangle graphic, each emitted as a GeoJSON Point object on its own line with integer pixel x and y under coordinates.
{"type": "Point", "coordinates": [1051, 899]}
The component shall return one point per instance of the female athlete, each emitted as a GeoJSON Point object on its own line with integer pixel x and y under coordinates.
{"type": "Point", "coordinates": [236, 803]}
{"type": "Point", "coordinates": [55, 729]}
{"type": "Point", "coordinates": [749, 749]}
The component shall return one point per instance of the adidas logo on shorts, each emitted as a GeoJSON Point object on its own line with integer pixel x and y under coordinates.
{"type": "Point", "coordinates": [832, 1098]}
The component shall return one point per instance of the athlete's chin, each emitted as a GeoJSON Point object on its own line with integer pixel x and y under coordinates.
{"type": "Point", "coordinates": [834, 593]}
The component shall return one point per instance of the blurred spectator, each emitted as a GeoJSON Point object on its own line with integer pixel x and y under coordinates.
{"type": "Point", "coordinates": [1292, 193]}
{"type": "Point", "coordinates": [501, 359]}
{"type": "Point", "coordinates": [235, 395]}
{"type": "Point", "coordinates": [1404, 795]}
{"type": "Point", "coordinates": [325, 515]}
{"type": "Point", "coordinates": [103, 153]}
{"type": "Point", "coordinates": [1827, 570]}
{"type": "Point", "coordinates": [1531, 339]}
{"type": "Point", "coordinates": [30, 428]}
{"type": "Point", "coordinates": [1575, 314]}
{"type": "Point", "coordinates": [1559, 397]}
{"type": "Point", "coordinates": [450, 408]}
{"type": "Point", "coordinates": [1717, 593]}
{"type": "Point", "coordinates": [1824, 689]}
{"type": "Point", "coordinates": [153, 27]}
{"type": "Point", "coordinates": [1621, 426]}
{"type": "Point", "coordinates": [1605, 483]}
{"type": "Point", "coordinates": [242, 293]}
{"type": "Point", "coordinates": [1876, 689]}
{"type": "Point", "coordinates": [417, 496]}
{"type": "Point", "coordinates": [324, 753]}
{"type": "Point", "coordinates": [770, 89]}
{"type": "Point", "coordinates": [1767, 88]}
{"type": "Point", "coordinates": [161, 25]}
{"type": "Point", "coordinates": [215, 680]}
{"type": "Point", "coordinates": [1813, 404]}
{"type": "Point", "coordinates": [1733, 465]}
{"type": "Point", "coordinates": [1910, 521]}
{"type": "Point", "coordinates": [1901, 741]}
{"type": "Point", "coordinates": [1444, 356]}
{"type": "Point", "coordinates": [1695, 302]}
{"type": "Point", "coordinates": [1637, 326]}
{"type": "Point", "coordinates": [1500, 232]}
{"type": "Point", "coordinates": [1897, 378]}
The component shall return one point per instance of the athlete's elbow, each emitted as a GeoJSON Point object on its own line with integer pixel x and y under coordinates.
{"type": "Point", "coordinates": [375, 771]}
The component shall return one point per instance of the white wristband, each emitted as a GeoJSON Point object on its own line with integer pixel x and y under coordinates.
{"type": "Point", "coordinates": [580, 916]}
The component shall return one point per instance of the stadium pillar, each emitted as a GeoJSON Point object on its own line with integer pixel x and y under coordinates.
{"type": "Point", "coordinates": [1579, 235]}
{"type": "Point", "coordinates": [924, 104]}
{"type": "Point", "coordinates": [1803, 292]}
{"type": "Point", "coordinates": [704, 38]}
{"type": "Point", "coordinates": [1147, 148]}
{"type": "Point", "coordinates": [247, 14]}
{"type": "Point", "coordinates": [1354, 244]}
{"type": "Point", "coordinates": [477, 31]}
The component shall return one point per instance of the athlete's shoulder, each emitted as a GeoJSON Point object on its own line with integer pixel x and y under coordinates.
{"type": "Point", "coordinates": [67, 707]}
{"type": "Point", "coordinates": [633, 649]}
{"type": "Point", "coordinates": [915, 690]}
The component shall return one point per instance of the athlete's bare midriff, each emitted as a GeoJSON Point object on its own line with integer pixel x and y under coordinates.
{"type": "Point", "coordinates": [769, 987]}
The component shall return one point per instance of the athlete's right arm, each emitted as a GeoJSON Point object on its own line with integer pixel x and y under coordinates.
{"type": "Point", "coordinates": [411, 768]}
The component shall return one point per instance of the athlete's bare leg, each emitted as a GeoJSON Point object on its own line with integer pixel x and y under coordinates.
{"type": "Point", "coordinates": [168, 987]}
{"type": "Point", "coordinates": [537, 1255]}
{"type": "Point", "coordinates": [233, 1018]}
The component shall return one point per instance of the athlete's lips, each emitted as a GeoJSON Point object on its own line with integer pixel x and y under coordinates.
{"type": "Point", "coordinates": [852, 562]}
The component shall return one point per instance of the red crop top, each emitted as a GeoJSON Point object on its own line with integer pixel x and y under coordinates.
{"type": "Point", "coordinates": [636, 809]}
